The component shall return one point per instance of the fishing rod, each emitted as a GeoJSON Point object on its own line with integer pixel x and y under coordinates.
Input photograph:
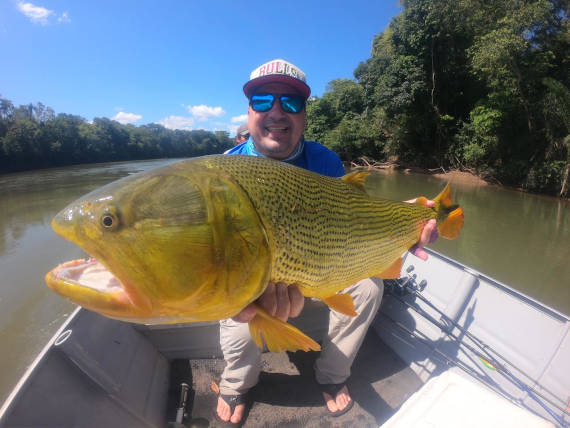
{"type": "Point", "coordinates": [450, 324]}
{"type": "Point", "coordinates": [409, 286]}
{"type": "Point", "coordinates": [496, 366]}
{"type": "Point", "coordinates": [449, 361]}
{"type": "Point", "coordinates": [493, 364]}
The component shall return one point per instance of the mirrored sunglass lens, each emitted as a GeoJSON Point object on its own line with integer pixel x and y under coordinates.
{"type": "Point", "coordinates": [292, 104]}
{"type": "Point", "coordinates": [262, 102]}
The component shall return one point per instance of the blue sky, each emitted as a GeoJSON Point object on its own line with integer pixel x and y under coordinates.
{"type": "Point", "coordinates": [175, 62]}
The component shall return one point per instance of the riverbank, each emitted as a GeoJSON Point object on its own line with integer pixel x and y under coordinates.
{"type": "Point", "coordinates": [451, 175]}
{"type": "Point", "coordinates": [456, 176]}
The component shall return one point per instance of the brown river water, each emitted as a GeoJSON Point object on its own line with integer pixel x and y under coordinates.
{"type": "Point", "coordinates": [519, 239]}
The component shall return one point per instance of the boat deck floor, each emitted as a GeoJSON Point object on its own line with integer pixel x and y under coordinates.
{"type": "Point", "coordinates": [287, 396]}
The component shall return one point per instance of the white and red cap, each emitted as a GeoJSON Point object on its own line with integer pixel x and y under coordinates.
{"type": "Point", "coordinates": [277, 71]}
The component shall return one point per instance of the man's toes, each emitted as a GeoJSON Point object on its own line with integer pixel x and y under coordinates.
{"type": "Point", "coordinates": [342, 398]}
{"type": "Point", "coordinates": [223, 410]}
{"type": "Point", "coordinates": [238, 414]}
{"type": "Point", "coordinates": [329, 400]}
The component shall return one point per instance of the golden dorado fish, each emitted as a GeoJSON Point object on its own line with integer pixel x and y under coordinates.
{"type": "Point", "coordinates": [198, 240]}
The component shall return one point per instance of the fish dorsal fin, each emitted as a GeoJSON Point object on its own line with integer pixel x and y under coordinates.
{"type": "Point", "coordinates": [342, 303]}
{"type": "Point", "coordinates": [392, 271]}
{"type": "Point", "coordinates": [357, 178]}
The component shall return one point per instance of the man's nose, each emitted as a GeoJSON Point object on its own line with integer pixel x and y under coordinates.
{"type": "Point", "coordinates": [276, 110]}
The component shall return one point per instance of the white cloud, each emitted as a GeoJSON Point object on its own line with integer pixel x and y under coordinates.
{"type": "Point", "coordinates": [177, 122]}
{"type": "Point", "coordinates": [40, 15]}
{"type": "Point", "coordinates": [64, 17]}
{"type": "Point", "coordinates": [204, 112]}
{"type": "Point", "coordinates": [124, 118]}
{"type": "Point", "coordinates": [35, 13]}
{"type": "Point", "coordinates": [239, 119]}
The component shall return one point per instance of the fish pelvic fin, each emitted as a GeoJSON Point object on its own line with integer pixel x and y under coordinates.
{"type": "Point", "coordinates": [278, 336]}
{"type": "Point", "coordinates": [342, 303]}
{"type": "Point", "coordinates": [450, 216]}
{"type": "Point", "coordinates": [357, 178]}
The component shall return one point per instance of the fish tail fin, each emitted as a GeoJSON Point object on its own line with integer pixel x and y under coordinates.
{"type": "Point", "coordinates": [449, 215]}
{"type": "Point", "coordinates": [278, 335]}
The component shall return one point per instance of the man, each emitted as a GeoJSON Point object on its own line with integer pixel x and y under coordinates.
{"type": "Point", "coordinates": [277, 93]}
{"type": "Point", "coordinates": [242, 134]}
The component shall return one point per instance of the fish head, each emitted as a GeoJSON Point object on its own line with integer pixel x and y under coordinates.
{"type": "Point", "coordinates": [175, 244]}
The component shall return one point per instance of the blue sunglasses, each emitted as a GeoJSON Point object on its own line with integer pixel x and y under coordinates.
{"type": "Point", "coordinates": [262, 103]}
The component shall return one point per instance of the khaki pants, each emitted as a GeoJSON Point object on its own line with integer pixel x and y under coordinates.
{"type": "Point", "coordinates": [340, 346]}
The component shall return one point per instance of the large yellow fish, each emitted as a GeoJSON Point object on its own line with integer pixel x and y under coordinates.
{"type": "Point", "coordinates": [198, 240]}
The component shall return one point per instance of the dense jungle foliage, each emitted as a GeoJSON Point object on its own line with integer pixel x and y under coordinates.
{"type": "Point", "coordinates": [478, 85]}
{"type": "Point", "coordinates": [33, 136]}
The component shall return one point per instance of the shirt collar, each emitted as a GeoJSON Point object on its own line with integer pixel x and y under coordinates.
{"type": "Point", "coordinates": [252, 151]}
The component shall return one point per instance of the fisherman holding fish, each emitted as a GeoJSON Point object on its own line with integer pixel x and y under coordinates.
{"type": "Point", "coordinates": [277, 92]}
{"type": "Point", "coordinates": [248, 237]}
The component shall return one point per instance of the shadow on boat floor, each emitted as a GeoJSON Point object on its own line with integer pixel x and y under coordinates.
{"type": "Point", "coordinates": [286, 395]}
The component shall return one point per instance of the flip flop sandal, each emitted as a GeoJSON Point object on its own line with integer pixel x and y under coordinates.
{"type": "Point", "coordinates": [332, 389]}
{"type": "Point", "coordinates": [233, 401]}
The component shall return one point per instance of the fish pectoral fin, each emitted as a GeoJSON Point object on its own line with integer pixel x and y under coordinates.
{"type": "Point", "coordinates": [278, 335]}
{"type": "Point", "coordinates": [393, 271]}
{"type": "Point", "coordinates": [342, 303]}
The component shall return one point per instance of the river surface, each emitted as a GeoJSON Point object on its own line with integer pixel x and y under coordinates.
{"type": "Point", "coordinates": [519, 239]}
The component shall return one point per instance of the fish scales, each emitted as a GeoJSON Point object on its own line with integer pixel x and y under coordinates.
{"type": "Point", "coordinates": [324, 233]}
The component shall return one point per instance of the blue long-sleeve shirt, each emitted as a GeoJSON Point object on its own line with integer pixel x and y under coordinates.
{"type": "Point", "coordinates": [309, 155]}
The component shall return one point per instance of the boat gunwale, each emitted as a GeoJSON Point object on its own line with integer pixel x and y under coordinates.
{"type": "Point", "coordinates": [543, 307]}
{"type": "Point", "coordinates": [38, 361]}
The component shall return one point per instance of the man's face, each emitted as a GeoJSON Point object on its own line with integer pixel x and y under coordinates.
{"type": "Point", "coordinates": [240, 139]}
{"type": "Point", "coordinates": [275, 133]}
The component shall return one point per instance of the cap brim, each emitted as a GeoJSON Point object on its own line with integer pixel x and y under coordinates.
{"type": "Point", "coordinates": [302, 88]}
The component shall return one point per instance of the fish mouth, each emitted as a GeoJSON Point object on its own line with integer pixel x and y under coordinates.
{"type": "Point", "coordinates": [89, 273]}
{"type": "Point", "coordinates": [90, 284]}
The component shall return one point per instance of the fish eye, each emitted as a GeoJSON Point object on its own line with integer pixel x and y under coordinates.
{"type": "Point", "coordinates": [109, 219]}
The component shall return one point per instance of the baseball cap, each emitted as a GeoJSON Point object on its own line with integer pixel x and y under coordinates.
{"type": "Point", "coordinates": [277, 71]}
{"type": "Point", "coordinates": [242, 130]}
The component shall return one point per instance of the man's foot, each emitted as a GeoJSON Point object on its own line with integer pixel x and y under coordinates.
{"type": "Point", "coordinates": [337, 398]}
{"type": "Point", "coordinates": [231, 408]}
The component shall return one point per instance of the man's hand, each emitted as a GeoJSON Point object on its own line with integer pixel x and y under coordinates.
{"type": "Point", "coordinates": [279, 300]}
{"type": "Point", "coordinates": [429, 234]}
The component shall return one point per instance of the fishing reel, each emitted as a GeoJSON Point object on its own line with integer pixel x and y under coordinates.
{"type": "Point", "coordinates": [405, 285]}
